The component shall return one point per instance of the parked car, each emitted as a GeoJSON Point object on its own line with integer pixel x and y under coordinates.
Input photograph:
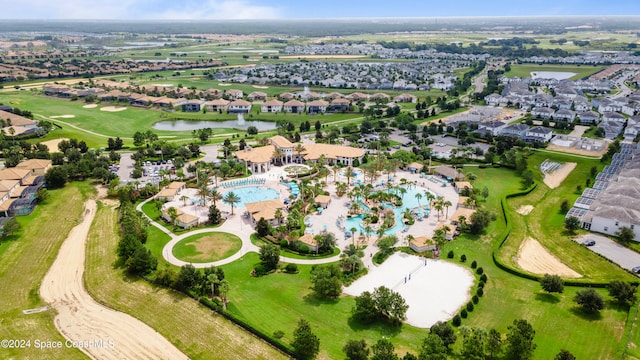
{"type": "Point", "coordinates": [589, 242]}
{"type": "Point", "coordinates": [636, 269]}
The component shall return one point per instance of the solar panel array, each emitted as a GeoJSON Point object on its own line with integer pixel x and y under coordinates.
{"type": "Point", "coordinates": [604, 176]}
{"type": "Point", "coordinates": [577, 212]}
{"type": "Point", "coordinates": [583, 202]}
{"type": "Point", "coordinates": [590, 193]}
{"type": "Point", "coordinates": [600, 185]}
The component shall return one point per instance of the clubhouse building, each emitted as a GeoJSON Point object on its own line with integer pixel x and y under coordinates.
{"type": "Point", "coordinates": [281, 150]}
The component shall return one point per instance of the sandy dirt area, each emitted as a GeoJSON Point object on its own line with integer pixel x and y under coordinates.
{"type": "Point", "coordinates": [90, 106]}
{"type": "Point", "coordinates": [260, 87]}
{"type": "Point", "coordinates": [323, 56]}
{"type": "Point", "coordinates": [434, 292]}
{"type": "Point", "coordinates": [63, 117]}
{"type": "Point", "coordinates": [83, 321]}
{"type": "Point", "coordinates": [533, 257]}
{"type": "Point", "coordinates": [524, 209]}
{"type": "Point", "coordinates": [556, 178]}
{"type": "Point", "coordinates": [578, 131]}
{"type": "Point", "coordinates": [572, 150]}
{"type": "Point", "coordinates": [112, 108]}
{"type": "Point", "coordinates": [162, 85]}
{"type": "Point", "coordinates": [52, 145]}
{"type": "Point", "coordinates": [221, 84]}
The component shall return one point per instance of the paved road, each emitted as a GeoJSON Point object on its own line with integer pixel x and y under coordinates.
{"type": "Point", "coordinates": [626, 258]}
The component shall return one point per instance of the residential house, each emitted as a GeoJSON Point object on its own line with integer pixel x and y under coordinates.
{"type": "Point", "coordinates": [493, 126]}
{"type": "Point", "coordinates": [542, 113]}
{"type": "Point", "coordinates": [239, 107]}
{"type": "Point", "coordinates": [633, 128]}
{"type": "Point", "coordinates": [217, 105]}
{"type": "Point", "coordinates": [339, 105]}
{"type": "Point", "coordinates": [193, 106]}
{"type": "Point", "coordinates": [357, 96]}
{"type": "Point", "coordinates": [613, 116]}
{"type": "Point", "coordinates": [538, 134]}
{"type": "Point", "coordinates": [564, 115]}
{"type": "Point", "coordinates": [38, 167]}
{"type": "Point", "coordinates": [294, 106]}
{"type": "Point", "coordinates": [332, 96]}
{"type": "Point", "coordinates": [518, 130]}
{"type": "Point", "coordinates": [589, 117]}
{"type": "Point", "coordinates": [405, 98]}
{"type": "Point", "coordinates": [611, 128]}
{"type": "Point", "coordinates": [233, 94]}
{"type": "Point", "coordinates": [257, 96]}
{"type": "Point", "coordinates": [273, 106]}
{"type": "Point", "coordinates": [317, 107]}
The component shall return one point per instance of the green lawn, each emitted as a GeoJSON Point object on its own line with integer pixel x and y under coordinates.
{"type": "Point", "coordinates": [207, 247]}
{"type": "Point", "coordinates": [194, 329]}
{"type": "Point", "coordinates": [25, 261]}
{"type": "Point", "coordinates": [580, 70]}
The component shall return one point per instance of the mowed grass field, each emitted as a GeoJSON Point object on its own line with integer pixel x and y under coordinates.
{"type": "Point", "coordinates": [207, 247]}
{"type": "Point", "coordinates": [25, 261]}
{"type": "Point", "coordinates": [194, 329]}
{"type": "Point", "coordinates": [580, 71]}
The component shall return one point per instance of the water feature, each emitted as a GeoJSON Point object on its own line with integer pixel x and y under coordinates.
{"type": "Point", "coordinates": [188, 125]}
{"type": "Point", "coordinates": [249, 194]}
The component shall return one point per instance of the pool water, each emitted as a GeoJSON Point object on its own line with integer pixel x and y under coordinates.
{"type": "Point", "coordinates": [249, 194]}
{"type": "Point", "coordinates": [409, 201]}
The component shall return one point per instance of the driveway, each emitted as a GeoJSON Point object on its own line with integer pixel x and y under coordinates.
{"type": "Point", "coordinates": [613, 251]}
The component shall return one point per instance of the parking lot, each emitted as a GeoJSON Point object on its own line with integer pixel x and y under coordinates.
{"type": "Point", "coordinates": [150, 171]}
{"type": "Point", "coordinates": [626, 258]}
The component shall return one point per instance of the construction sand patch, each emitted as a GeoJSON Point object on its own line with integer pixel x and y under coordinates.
{"type": "Point", "coordinates": [221, 84]}
{"type": "Point", "coordinates": [90, 106]}
{"type": "Point", "coordinates": [162, 85]}
{"type": "Point", "coordinates": [323, 56]}
{"type": "Point", "coordinates": [80, 319]}
{"type": "Point", "coordinates": [433, 292]}
{"type": "Point", "coordinates": [63, 117]}
{"type": "Point", "coordinates": [260, 87]}
{"type": "Point", "coordinates": [554, 179]}
{"type": "Point", "coordinates": [112, 108]}
{"type": "Point", "coordinates": [52, 145]}
{"type": "Point", "coordinates": [524, 209]}
{"type": "Point", "coordinates": [535, 258]}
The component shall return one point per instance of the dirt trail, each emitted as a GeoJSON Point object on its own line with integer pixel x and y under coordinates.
{"type": "Point", "coordinates": [102, 333]}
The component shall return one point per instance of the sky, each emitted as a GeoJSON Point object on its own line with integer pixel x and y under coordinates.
{"type": "Point", "coordinates": [295, 9]}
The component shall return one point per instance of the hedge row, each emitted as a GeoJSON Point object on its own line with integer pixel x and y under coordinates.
{"type": "Point", "coordinates": [519, 272]}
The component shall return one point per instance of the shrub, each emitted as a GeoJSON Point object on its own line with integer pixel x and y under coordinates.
{"type": "Point", "coordinates": [479, 270]}
{"type": "Point", "coordinates": [259, 270]}
{"type": "Point", "coordinates": [483, 278]}
{"type": "Point", "coordinates": [303, 249]}
{"type": "Point", "coordinates": [475, 299]}
{"type": "Point", "coordinates": [278, 334]}
{"type": "Point", "coordinates": [463, 313]}
{"type": "Point", "coordinates": [481, 285]}
{"type": "Point", "coordinates": [463, 258]}
{"type": "Point", "coordinates": [479, 292]}
{"type": "Point", "coordinates": [456, 321]}
{"type": "Point", "coordinates": [470, 306]}
{"type": "Point", "coordinates": [291, 268]}
{"type": "Point", "coordinates": [474, 264]}
{"type": "Point", "coordinates": [450, 254]}
{"type": "Point", "coordinates": [284, 243]}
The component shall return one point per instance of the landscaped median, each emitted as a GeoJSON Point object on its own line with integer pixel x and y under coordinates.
{"type": "Point", "coordinates": [207, 247]}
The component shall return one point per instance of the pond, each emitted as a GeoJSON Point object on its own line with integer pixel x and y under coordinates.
{"type": "Point", "coordinates": [188, 125]}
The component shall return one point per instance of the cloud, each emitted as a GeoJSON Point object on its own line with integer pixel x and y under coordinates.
{"type": "Point", "coordinates": [138, 9]}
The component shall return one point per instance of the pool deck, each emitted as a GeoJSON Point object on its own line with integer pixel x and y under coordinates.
{"type": "Point", "coordinates": [326, 220]}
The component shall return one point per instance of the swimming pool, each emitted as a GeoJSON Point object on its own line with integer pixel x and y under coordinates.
{"type": "Point", "coordinates": [249, 194]}
{"type": "Point", "coordinates": [409, 201]}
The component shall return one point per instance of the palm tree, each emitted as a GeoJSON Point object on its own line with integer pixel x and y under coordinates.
{"type": "Point", "coordinates": [341, 189]}
{"type": "Point", "coordinates": [446, 204]}
{"type": "Point", "coordinates": [203, 192]}
{"type": "Point", "coordinates": [349, 174]}
{"type": "Point", "coordinates": [445, 230]}
{"type": "Point", "coordinates": [213, 280]}
{"type": "Point", "coordinates": [299, 149]}
{"type": "Point", "coordinates": [353, 233]}
{"type": "Point", "coordinates": [438, 204]}
{"type": "Point", "coordinates": [278, 155]}
{"type": "Point", "coordinates": [368, 230]}
{"type": "Point", "coordinates": [223, 289]}
{"type": "Point", "coordinates": [430, 197]}
{"type": "Point", "coordinates": [279, 216]}
{"type": "Point", "coordinates": [231, 198]}
{"type": "Point", "coordinates": [408, 239]}
{"type": "Point", "coordinates": [402, 192]}
{"type": "Point", "coordinates": [335, 169]}
{"type": "Point", "coordinates": [184, 199]}
{"type": "Point", "coordinates": [173, 215]}
{"type": "Point", "coordinates": [213, 195]}
{"type": "Point", "coordinates": [462, 221]}
{"type": "Point", "coordinates": [418, 197]}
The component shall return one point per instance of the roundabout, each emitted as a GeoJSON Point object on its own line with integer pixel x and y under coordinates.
{"type": "Point", "coordinates": [207, 247]}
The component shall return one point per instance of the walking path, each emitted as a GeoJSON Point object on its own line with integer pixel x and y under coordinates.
{"type": "Point", "coordinates": [100, 332]}
{"type": "Point", "coordinates": [329, 220]}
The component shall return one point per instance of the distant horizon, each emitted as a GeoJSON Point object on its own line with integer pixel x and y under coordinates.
{"type": "Point", "coordinates": [111, 10]}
